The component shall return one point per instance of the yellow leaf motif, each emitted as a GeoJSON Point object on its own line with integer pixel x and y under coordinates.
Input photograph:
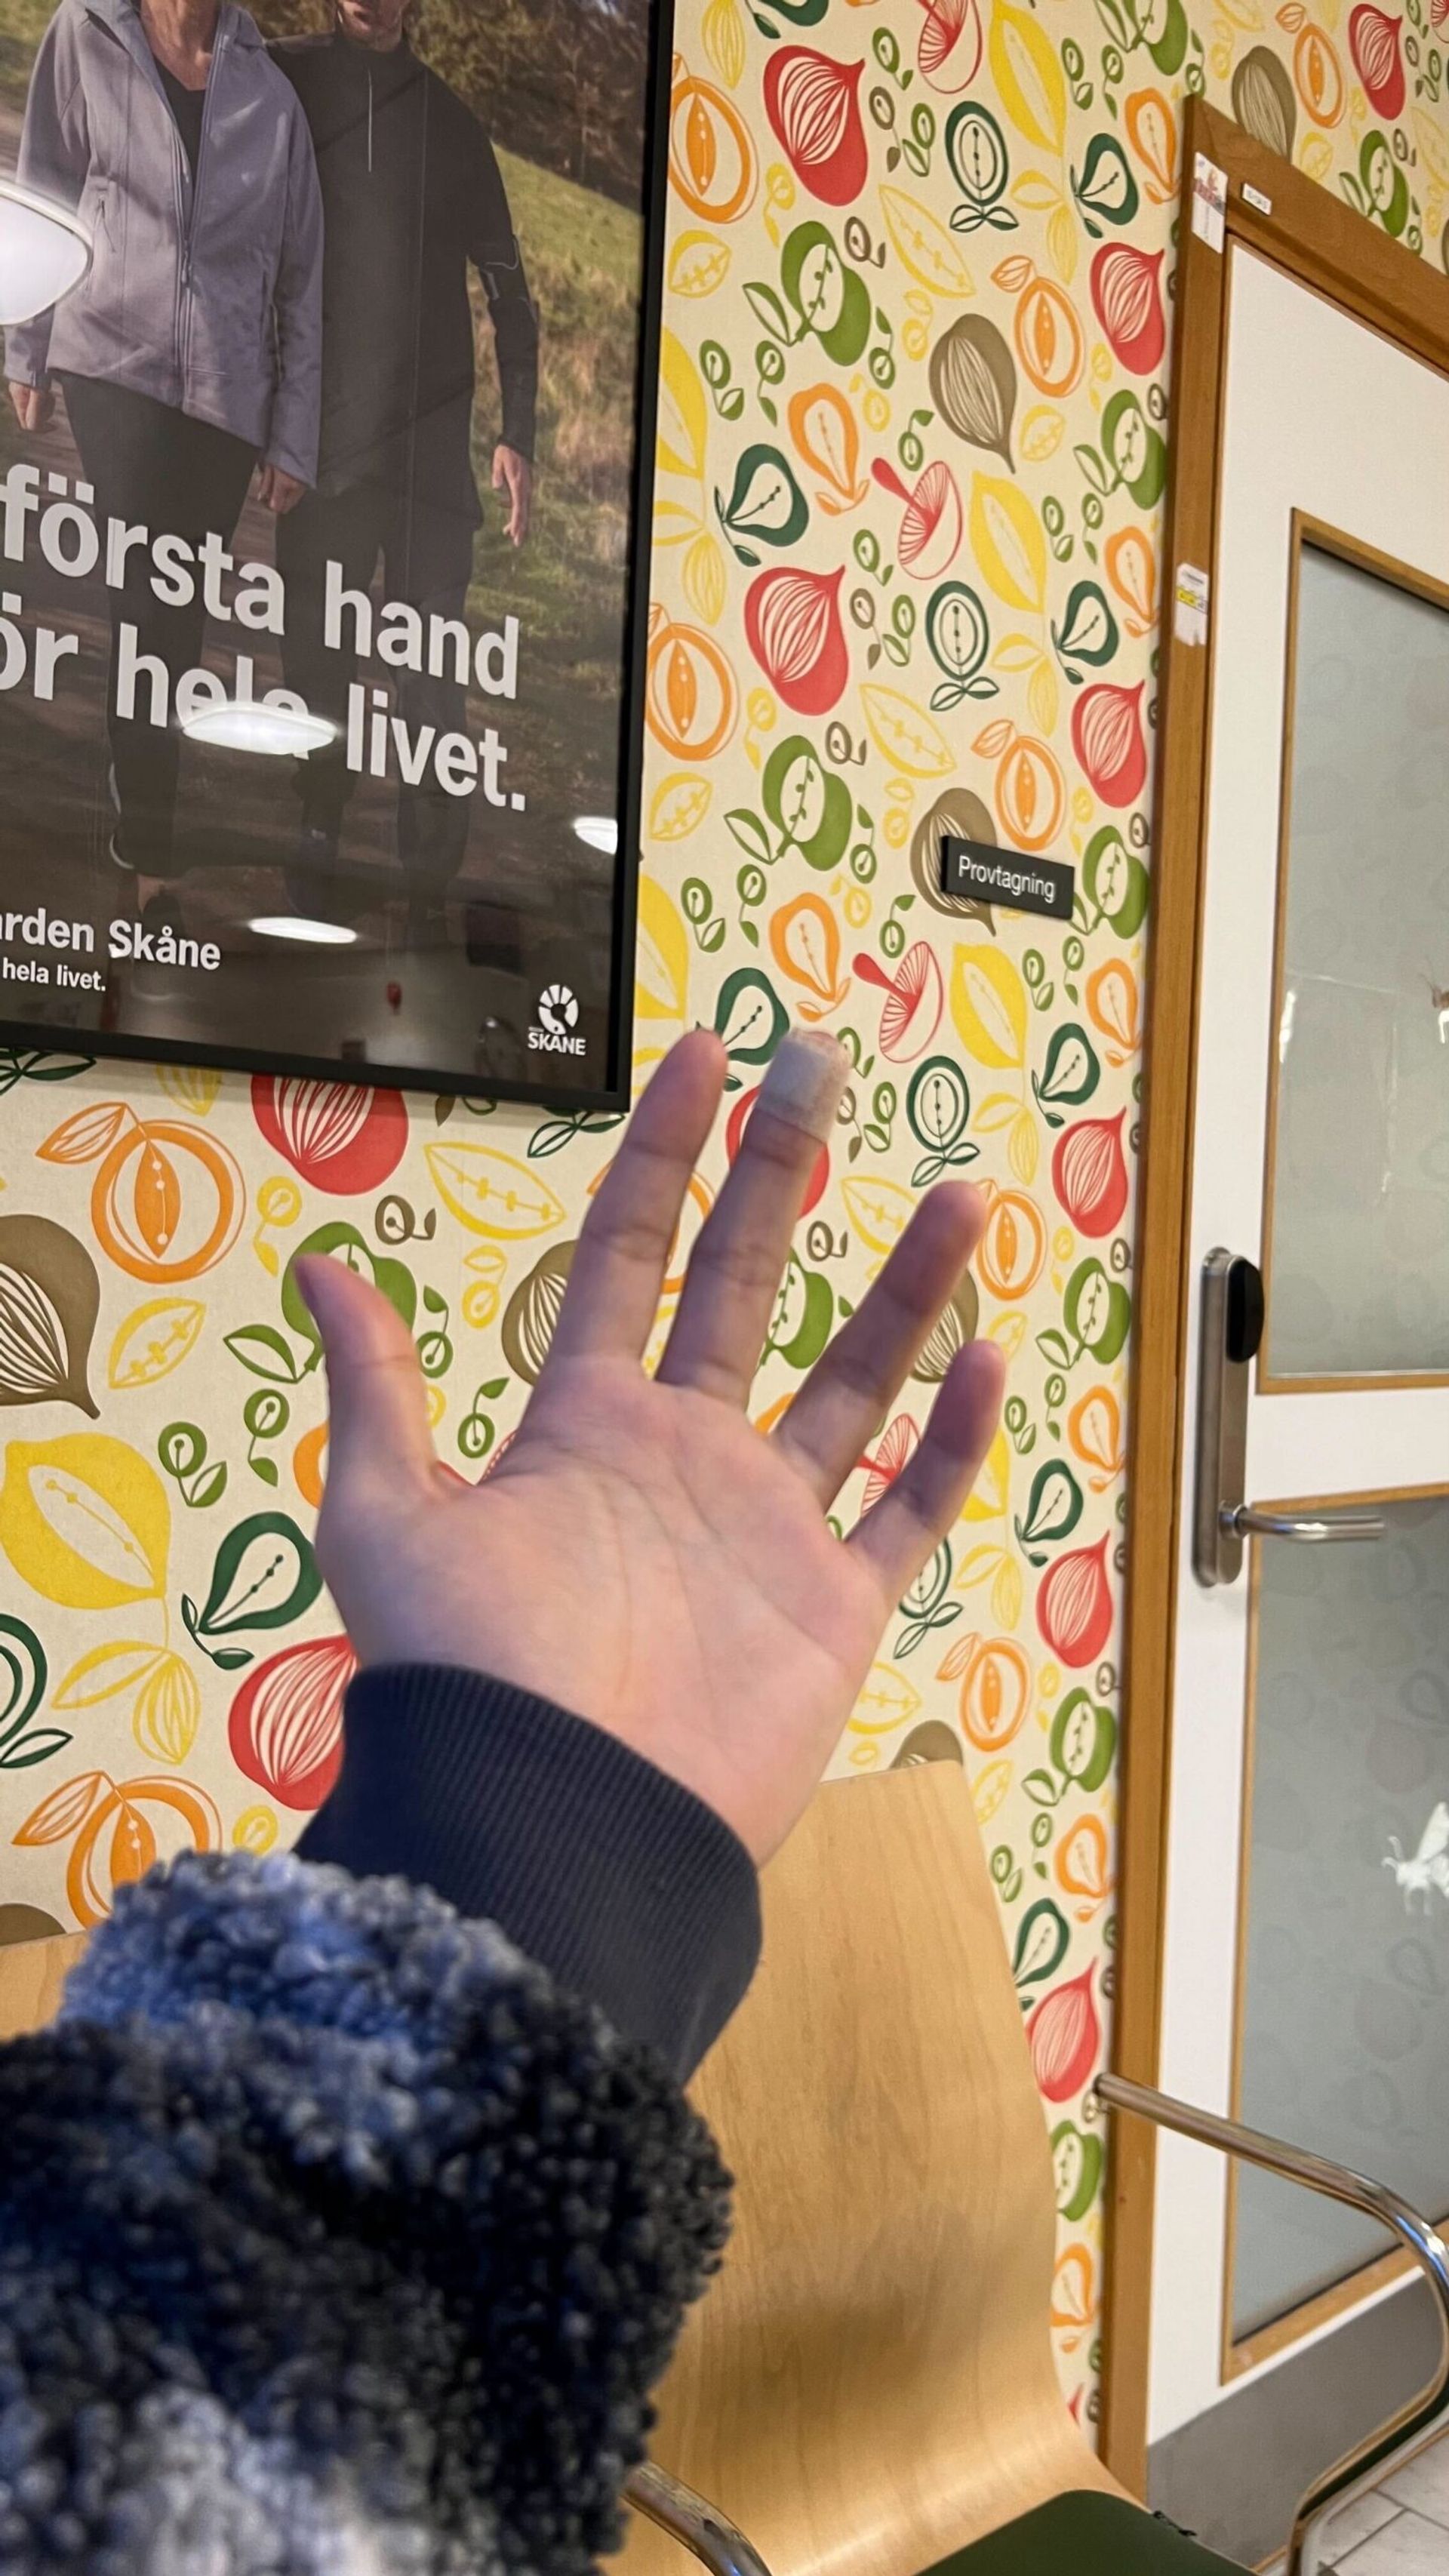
{"type": "Point", "coordinates": [679, 805]}
{"type": "Point", "coordinates": [1022, 1146]}
{"type": "Point", "coordinates": [1062, 243]}
{"type": "Point", "coordinates": [987, 1498]}
{"type": "Point", "coordinates": [886, 1701]}
{"type": "Point", "coordinates": [153, 1340]}
{"type": "Point", "coordinates": [492, 1193]}
{"type": "Point", "coordinates": [255, 1829]}
{"type": "Point", "coordinates": [675, 522]}
{"type": "Point", "coordinates": [85, 1521]}
{"type": "Point", "coordinates": [698, 264]}
{"type": "Point", "coordinates": [988, 1005]}
{"type": "Point", "coordinates": [191, 1086]}
{"type": "Point", "coordinates": [661, 956]}
{"type": "Point", "coordinates": [724, 40]}
{"type": "Point", "coordinates": [683, 418]}
{"type": "Point", "coordinates": [704, 578]}
{"type": "Point", "coordinates": [904, 734]}
{"type": "Point", "coordinates": [1041, 697]}
{"type": "Point", "coordinates": [481, 1297]}
{"type": "Point", "coordinates": [1041, 433]}
{"type": "Point", "coordinates": [1007, 541]}
{"type": "Point", "coordinates": [1006, 1593]}
{"type": "Point", "coordinates": [167, 1711]}
{"type": "Point", "coordinates": [880, 1211]}
{"type": "Point", "coordinates": [106, 1672]}
{"type": "Point", "coordinates": [988, 1790]}
{"type": "Point", "coordinates": [925, 249]}
{"type": "Point", "coordinates": [1028, 77]}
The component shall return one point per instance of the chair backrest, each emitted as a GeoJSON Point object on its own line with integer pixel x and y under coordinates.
{"type": "Point", "coordinates": [869, 2384]}
{"type": "Point", "coordinates": [32, 1974]}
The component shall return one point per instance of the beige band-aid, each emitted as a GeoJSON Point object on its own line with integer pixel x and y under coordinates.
{"type": "Point", "coordinates": [808, 1073]}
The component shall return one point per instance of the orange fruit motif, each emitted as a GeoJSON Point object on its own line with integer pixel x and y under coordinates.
{"type": "Point", "coordinates": [692, 697]}
{"type": "Point", "coordinates": [995, 1689]}
{"type": "Point", "coordinates": [309, 1460]}
{"type": "Point", "coordinates": [1013, 1248]}
{"type": "Point", "coordinates": [1318, 76]}
{"type": "Point", "coordinates": [1031, 794]}
{"type": "Point", "coordinates": [712, 162]}
{"type": "Point", "coordinates": [1081, 1863]}
{"type": "Point", "coordinates": [114, 1839]}
{"type": "Point", "coordinates": [1049, 338]}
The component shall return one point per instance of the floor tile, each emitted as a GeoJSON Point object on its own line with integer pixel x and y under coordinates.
{"type": "Point", "coordinates": [1407, 2546]}
{"type": "Point", "coordinates": [1424, 2484]}
{"type": "Point", "coordinates": [1367, 2514]}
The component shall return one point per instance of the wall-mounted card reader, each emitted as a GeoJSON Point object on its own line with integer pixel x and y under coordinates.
{"type": "Point", "coordinates": [1232, 1328]}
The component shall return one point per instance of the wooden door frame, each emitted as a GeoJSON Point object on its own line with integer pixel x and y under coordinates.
{"type": "Point", "coordinates": [1288, 218]}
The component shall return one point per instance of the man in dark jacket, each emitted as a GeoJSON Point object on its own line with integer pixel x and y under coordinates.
{"type": "Point", "coordinates": [412, 197]}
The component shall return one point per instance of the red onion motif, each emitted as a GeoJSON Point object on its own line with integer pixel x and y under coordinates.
{"type": "Point", "coordinates": [1064, 2036]}
{"type": "Point", "coordinates": [914, 999]}
{"type": "Point", "coordinates": [285, 1729]}
{"type": "Point", "coordinates": [1127, 296]}
{"type": "Point", "coordinates": [948, 50]}
{"type": "Point", "coordinates": [1089, 1174]}
{"type": "Point", "coordinates": [1108, 740]}
{"type": "Point", "coordinates": [811, 102]}
{"type": "Point", "coordinates": [1373, 41]}
{"type": "Point", "coordinates": [1074, 1606]}
{"type": "Point", "coordinates": [894, 1450]}
{"type": "Point", "coordinates": [340, 1137]}
{"type": "Point", "coordinates": [792, 621]}
{"type": "Point", "coordinates": [932, 527]}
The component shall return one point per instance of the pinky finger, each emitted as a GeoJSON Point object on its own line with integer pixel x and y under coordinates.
{"type": "Point", "coordinates": [912, 1517]}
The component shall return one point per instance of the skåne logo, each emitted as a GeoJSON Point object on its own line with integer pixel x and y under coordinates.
{"type": "Point", "coordinates": [557, 1017]}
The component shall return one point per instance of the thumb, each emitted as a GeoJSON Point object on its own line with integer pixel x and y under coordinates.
{"type": "Point", "coordinates": [378, 1414]}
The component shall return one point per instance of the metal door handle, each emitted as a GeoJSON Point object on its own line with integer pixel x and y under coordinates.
{"type": "Point", "coordinates": [1245, 1522]}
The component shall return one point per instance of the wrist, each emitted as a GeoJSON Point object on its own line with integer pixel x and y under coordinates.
{"type": "Point", "coordinates": [612, 1874]}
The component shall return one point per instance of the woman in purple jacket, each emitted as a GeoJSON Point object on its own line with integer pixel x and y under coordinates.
{"type": "Point", "coordinates": [192, 349]}
{"type": "Point", "coordinates": [348, 2215]}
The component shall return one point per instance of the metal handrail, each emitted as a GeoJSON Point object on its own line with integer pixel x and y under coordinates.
{"type": "Point", "coordinates": [1425, 2415]}
{"type": "Point", "coordinates": [696, 2524]}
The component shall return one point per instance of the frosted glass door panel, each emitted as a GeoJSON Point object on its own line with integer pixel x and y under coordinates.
{"type": "Point", "coordinates": [1345, 2006]}
{"type": "Point", "coordinates": [1358, 1274]}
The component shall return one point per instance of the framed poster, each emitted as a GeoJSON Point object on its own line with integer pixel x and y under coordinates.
{"type": "Point", "coordinates": [323, 532]}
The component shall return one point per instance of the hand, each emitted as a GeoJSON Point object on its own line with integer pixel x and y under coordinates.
{"type": "Point", "coordinates": [33, 406]}
{"type": "Point", "coordinates": [641, 1554]}
{"type": "Point", "coordinates": [278, 491]}
{"type": "Point", "coordinates": [513, 474]}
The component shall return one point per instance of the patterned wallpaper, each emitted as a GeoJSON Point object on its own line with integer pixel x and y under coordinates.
{"type": "Point", "coordinates": [911, 461]}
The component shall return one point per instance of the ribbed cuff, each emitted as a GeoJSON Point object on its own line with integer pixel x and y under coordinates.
{"type": "Point", "coordinates": [624, 1885]}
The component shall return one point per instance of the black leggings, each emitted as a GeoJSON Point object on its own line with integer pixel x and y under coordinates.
{"type": "Point", "coordinates": [155, 468]}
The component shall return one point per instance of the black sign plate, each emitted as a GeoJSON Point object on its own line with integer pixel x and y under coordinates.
{"type": "Point", "coordinates": [989, 875]}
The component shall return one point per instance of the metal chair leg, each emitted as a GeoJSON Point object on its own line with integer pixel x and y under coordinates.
{"type": "Point", "coordinates": [696, 2524]}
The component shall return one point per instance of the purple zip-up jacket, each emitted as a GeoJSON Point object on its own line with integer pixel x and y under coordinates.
{"type": "Point", "coordinates": [204, 294]}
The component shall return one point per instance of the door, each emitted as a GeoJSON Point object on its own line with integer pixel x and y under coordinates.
{"type": "Point", "coordinates": [1305, 1927]}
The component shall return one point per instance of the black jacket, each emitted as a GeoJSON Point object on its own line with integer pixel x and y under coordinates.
{"type": "Point", "coordinates": [341, 2228]}
{"type": "Point", "coordinates": [411, 196]}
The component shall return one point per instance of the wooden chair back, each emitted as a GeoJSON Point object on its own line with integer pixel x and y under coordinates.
{"type": "Point", "coordinates": [869, 2384]}
{"type": "Point", "coordinates": [32, 1976]}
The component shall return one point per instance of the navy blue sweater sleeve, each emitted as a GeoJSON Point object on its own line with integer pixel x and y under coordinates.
{"type": "Point", "coordinates": [628, 1889]}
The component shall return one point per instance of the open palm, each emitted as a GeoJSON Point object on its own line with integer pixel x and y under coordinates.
{"type": "Point", "coordinates": [641, 1554]}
